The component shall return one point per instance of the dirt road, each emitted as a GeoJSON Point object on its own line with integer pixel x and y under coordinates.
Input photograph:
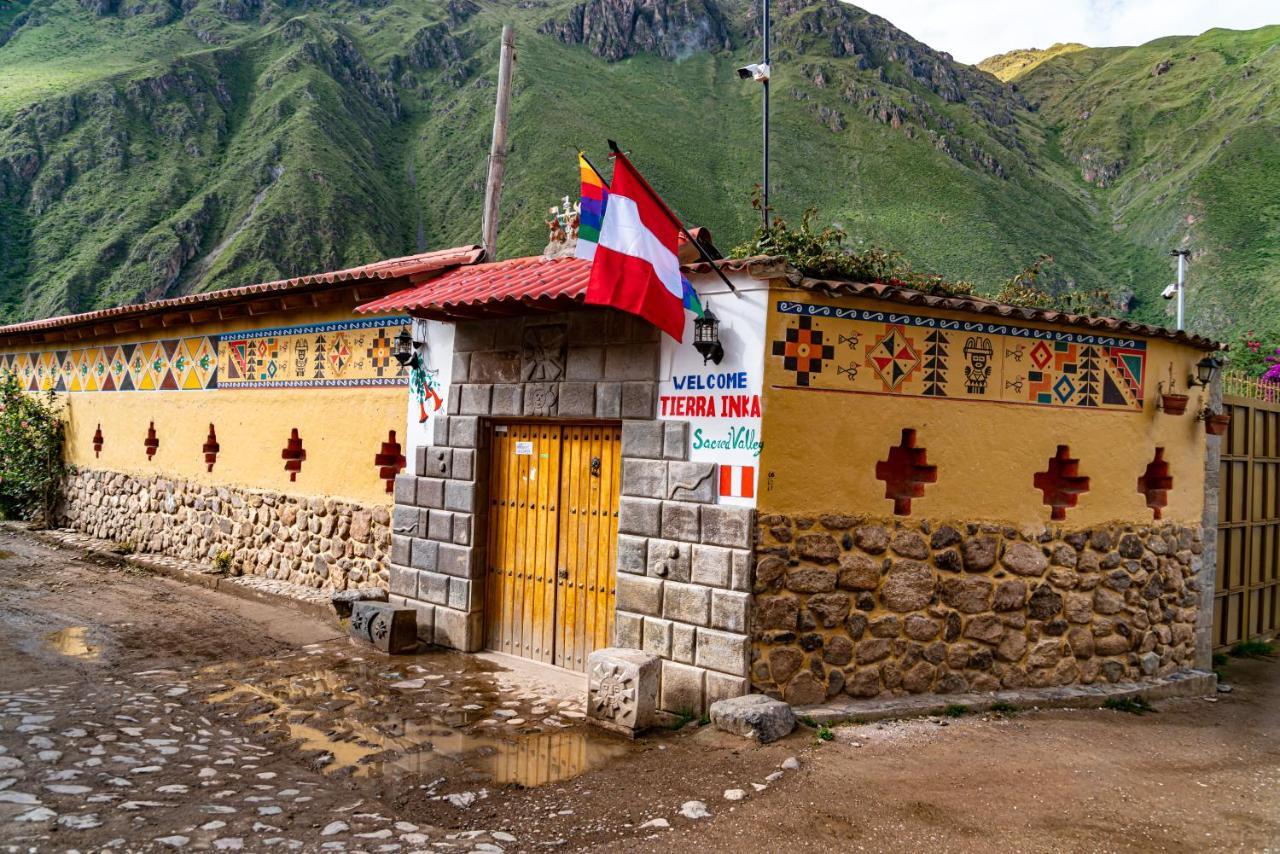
{"type": "Point", "coordinates": [140, 714]}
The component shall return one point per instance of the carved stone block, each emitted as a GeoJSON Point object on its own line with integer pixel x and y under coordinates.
{"type": "Point", "coordinates": [390, 629]}
{"type": "Point", "coordinates": [622, 689]}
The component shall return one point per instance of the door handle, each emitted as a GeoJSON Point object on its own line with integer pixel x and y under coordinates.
{"type": "Point", "coordinates": [562, 574]}
{"type": "Point", "coordinates": [595, 466]}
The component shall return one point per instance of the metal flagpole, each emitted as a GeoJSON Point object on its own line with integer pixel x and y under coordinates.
{"type": "Point", "coordinates": [765, 187]}
{"type": "Point", "coordinates": [1182, 274]}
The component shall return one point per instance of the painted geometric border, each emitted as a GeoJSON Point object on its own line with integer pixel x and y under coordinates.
{"type": "Point", "coordinates": [811, 310]}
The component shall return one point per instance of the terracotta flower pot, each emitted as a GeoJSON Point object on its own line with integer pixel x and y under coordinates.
{"type": "Point", "coordinates": [1173, 404]}
{"type": "Point", "coordinates": [1216, 425]}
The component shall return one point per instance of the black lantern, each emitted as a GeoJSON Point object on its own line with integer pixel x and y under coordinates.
{"type": "Point", "coordinates": [706, 337]}
{"type": "Point", "coordinates": [1206, 368]}
{"type": "Point", "coordinates": [405, 352]}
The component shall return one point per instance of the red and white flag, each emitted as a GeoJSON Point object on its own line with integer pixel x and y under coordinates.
{"type": "Point", "coordinates": [737, 481]}
{"type": "Point", "coordinates": [636, 268]}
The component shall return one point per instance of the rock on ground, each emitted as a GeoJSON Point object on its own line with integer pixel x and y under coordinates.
{"type": "Point", "coordinates": [754, 716]}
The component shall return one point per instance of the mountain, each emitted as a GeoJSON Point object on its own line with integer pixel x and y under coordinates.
{"type": "Point", "coordinates": [1012, 64]}
{"type": "Point", "coordinates": [153, 148]}
{"type": "Point", "coordinates": [1179, 143]}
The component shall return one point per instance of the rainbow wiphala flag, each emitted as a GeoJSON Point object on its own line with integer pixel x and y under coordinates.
{"type": "Point", "coordinates": [595, 196]}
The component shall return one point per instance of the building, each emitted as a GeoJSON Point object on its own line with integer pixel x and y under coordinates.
{"type": "Point", "coordinates": [874, 491]}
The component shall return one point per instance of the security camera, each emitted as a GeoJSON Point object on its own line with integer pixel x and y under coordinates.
{"type": "Point", "coordinates": [1170, 292]}
{"type": "Point", "coordinates": [758, 72]}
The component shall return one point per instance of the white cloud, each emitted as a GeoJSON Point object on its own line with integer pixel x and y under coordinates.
{"type": "Point", "coordinates": [973, 30]}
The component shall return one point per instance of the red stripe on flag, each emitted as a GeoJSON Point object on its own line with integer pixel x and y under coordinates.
{"type": "Point", "coordinates": [628, 283]}
{"type": "Point", "coordinates": [748, 482]}
{"type": "Point", "coordinates": [726, 480]}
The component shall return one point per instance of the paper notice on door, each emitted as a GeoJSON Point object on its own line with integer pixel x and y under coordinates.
{"type": "Point", "coordinates": [524, 449]}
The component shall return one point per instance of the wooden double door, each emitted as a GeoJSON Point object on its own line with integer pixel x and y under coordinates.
{"type": "Point", "coordinates": [552, 540]}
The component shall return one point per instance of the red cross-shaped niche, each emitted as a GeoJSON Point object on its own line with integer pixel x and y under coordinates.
{"type": "Point", "coordinates": [1062, 483]}
{"type": "Point", "coordinates": [905, 473]}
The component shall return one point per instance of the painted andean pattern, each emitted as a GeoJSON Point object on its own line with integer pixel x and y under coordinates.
{"type": "Point", "coordinates": [878, 352]}
{"type": "Point", "coordinates": [338, 354]}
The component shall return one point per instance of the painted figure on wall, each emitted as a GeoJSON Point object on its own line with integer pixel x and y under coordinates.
{"type": "Point", "coordinates": [910, 354]}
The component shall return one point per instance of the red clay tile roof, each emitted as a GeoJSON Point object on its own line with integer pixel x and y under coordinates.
{"type": "Point", "coordinates": [409, 268]}
{"type": "Point", "coordinates": [487, 289]}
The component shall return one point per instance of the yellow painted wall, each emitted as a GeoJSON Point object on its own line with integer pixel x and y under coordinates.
{"type": "Point", "coordinates": [341, 428]}
{"type": "Point", "coordinates": [821, 446]}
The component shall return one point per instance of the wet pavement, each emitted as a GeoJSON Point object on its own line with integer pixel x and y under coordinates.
{"type": "Point", "coordinates": [442, 720]}
{"type": "Point", "coordinates": [141, 714]}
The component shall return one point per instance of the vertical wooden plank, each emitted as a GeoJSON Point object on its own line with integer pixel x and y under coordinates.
{"type": "Point", "coordinates": [493, 552]}
{"type": "Point", "coordinates": [550, 538]}
{"type": "Point", "coordinates": [523, 569]}
{"type": "Point", "coordinates": [615, 490]}
{"type": "Point", "coordinates": [509, 618]}
{"type": "Point", "coordinates": [568, 544]}
{"type": "Point", "coordinates": [587, 553]}
{"type": "Point", "coordinates": [590, 526]}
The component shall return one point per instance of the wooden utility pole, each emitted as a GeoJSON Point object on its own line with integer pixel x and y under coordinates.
{"type": "Point", "coordinates": [498, 150]}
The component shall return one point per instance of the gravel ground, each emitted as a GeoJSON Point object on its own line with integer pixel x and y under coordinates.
{"type": "Point", "coordinates": [138, 714]}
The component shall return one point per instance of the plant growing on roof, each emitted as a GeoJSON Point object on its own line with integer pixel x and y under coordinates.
{"type": "Point", "coordinates": [32, 468]}
{"type": "Point", "coordinates": [823, 255]}
{"type": "Point", "coordinates": [1025, 289]}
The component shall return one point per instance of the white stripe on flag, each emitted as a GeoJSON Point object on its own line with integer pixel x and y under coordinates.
{"type": "Point", "coordinates": [586, 250]}
{"type": "Point", "coordinates": [624, 232]}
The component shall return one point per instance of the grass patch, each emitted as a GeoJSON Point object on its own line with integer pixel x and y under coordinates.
{"type": "Point", "coordinates": [1251, 649]}
{"type": "Point", "coordinates": [955, 710]}
{"type": "Point", "coordinates": [1219, 659]}
{"type": "Point", "coordinates": [680, 718]}
{"type": "Point", "coordinates": [808, 721]}
{"type": "Point", "coordinates": [825, 733]}
{"type": "Point", "coordinates": [704, 719]}
{"type": "Point", "coordinates": [1001, 707]}
{"type": "Point", "coordinates": [1132, 705]}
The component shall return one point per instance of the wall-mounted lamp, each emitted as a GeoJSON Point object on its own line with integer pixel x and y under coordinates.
{"type": "Point", "coordinates": [1206, 369]}
{"type": "Point", "coordinates": [405, 352]}
{"type": "Point", "coordinates": [706, 337]}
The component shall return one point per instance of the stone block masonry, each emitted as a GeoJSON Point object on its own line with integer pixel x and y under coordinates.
{"type": "Point", "coordinates": [870, 609]}
{"type": "Point", "coordinates": [683, 568]}
{"type": "Point", "coordinates": [322, 543]}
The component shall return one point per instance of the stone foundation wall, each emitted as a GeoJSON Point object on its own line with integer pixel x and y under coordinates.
{"type": "Point", "coordinates": [869, 609]}
{"type": "Point", "coordinates": [320, 542]}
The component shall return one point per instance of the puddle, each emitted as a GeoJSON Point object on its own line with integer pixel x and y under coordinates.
{"type": "Point", "coordinates": [395, 720]}
{"type": "Point", "coordinates": [71, 643]}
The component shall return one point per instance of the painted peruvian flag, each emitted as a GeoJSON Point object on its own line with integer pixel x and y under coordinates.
{"type": "Point", "coordinates": [636, 268]}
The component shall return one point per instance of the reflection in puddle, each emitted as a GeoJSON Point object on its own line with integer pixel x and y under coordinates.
{"type": "Point", "coordinates": [71, 643]}
{"type": "Point", "coordinates": [426, 734]}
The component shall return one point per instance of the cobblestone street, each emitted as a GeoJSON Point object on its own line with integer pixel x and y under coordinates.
{"type": "Point", "coordinates": [140, 714]}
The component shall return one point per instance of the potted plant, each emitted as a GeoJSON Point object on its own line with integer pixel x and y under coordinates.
{"type": "Point", "coordinates": [1172, 403]}
{"type": "Point", "coordinates": [1216, 423]}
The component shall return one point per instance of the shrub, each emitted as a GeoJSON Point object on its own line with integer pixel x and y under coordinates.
{"type": "Point", "coordinates": [955, 710]}
{"type": "Point", "coordinates": [825, 733]}
{"type": "Point", "coordinates": [1002, 707]}
{"type": "Point", "coordinates": [32, 468]}
{"type": "Point", "coordinates": [222, 561]}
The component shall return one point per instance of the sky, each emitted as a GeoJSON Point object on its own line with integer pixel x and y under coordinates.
{"type": "Point", "coordinates": [972, 30]}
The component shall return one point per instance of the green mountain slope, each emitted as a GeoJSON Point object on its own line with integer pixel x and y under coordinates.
{"type": "Point", "coordinates": [1013, 64]}
{"type": "Point", "coordinates": [155, 147]}
{"type": "Point", "coordinates": [1181, 140]}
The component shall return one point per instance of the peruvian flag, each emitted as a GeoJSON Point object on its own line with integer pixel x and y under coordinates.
{"type": "Point", "coordinates": [636, 268]}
